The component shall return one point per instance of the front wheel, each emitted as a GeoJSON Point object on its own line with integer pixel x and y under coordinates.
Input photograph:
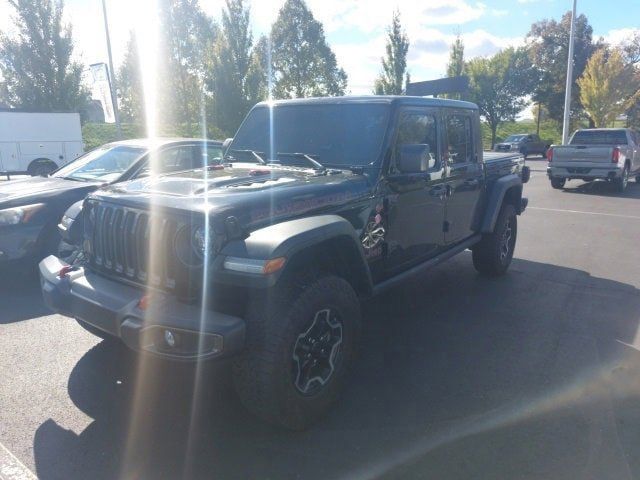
{"type": "Point", "coordinates": [493, 254]}
{"type": "Point", "coordinates": [558, 183]}
{"type": "Point", "coordinates": [300, 345]}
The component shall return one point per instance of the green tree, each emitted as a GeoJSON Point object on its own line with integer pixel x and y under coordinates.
{"type": "Point", "coordinates": [257, 81]}
{"type": "Point", "coordinates": [607, 87]}
{"type": "Point", "coordinates": [35, 66]}
{"type": "Point", "coordinates": [631, 48]}
{"type": "Point", "coordinates": [237, 79]}
{"type": "Point", "coordinates": [130, 93]}
{"type": "Point", "coordinates": [187, 33]}
{"type": "Point", "coordinates": [548, 42]}
{"type": "Point", "coordinates": [303, 63]}
{"type": "Point", "coordinates": [499, 86]}
{"type": "Point", "coordinates": [456, 65]}
{"type": "Point", "coordinates": [394, 76]}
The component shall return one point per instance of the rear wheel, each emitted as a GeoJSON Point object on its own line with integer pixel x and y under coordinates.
{"type": "Point", "coordinates": [300, 345]}
{"type": "Point", "coordinates": [41, 167]}
{"type": "Point", "coordinates": [622, 181]}
{"type": "Point", "coordinates": [493, 254]}
{"type": "Point", "coordinates": [558, 183]}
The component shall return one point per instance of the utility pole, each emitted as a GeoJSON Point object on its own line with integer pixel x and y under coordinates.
{"type": "Point", "coordinates": [567, 95]}
{"type": "Point", "coordinates": [112, 76]}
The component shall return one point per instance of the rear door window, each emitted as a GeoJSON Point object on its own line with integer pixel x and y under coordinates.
{"type": "Point", "coordinates": [459, 139]}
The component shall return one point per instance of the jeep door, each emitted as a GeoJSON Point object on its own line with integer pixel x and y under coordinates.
{"type": "Point", "coordinates": [464, 172]}
{"type": "Point", "coordinates": [416, 197]}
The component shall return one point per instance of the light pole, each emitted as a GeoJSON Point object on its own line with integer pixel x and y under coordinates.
{"type": "Point", "coordinates": [112, 76]}
{"type": "Point", "coordinates": [567, 95]}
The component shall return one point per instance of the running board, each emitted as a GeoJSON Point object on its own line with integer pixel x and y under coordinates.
{"type": "Point", "coordinates": [432, 262]}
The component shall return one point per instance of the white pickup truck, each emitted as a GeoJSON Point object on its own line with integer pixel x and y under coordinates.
{"type": "Point", "coordinates": [611, 154]}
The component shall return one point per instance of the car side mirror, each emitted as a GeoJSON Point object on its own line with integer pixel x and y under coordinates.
{"type": "Point", "coordinates": [225, 145]}
{"type": "Point", "coordinates": [415, 158]}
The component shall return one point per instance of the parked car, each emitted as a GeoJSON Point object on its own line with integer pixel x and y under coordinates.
{"type": "Point", "coordinates": [526, 143]}
{"type": "Point", "coordinates": [36, 142]}
{"type": "Point", "coordinates": [266, 259]}
{"type": "Point", "coordinates": [611, 154]}
{"type": "Point", "coordinates": [31, 208]}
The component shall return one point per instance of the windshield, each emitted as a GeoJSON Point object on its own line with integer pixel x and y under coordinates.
{"type": "Point", "coordinates": [104, 164]}
{"type": "Point", "coordinates": [333, 134]}
{"type": "Point", "coordinates": [514, 138]}
{"type": "Point", "coordinates": [599, 137]}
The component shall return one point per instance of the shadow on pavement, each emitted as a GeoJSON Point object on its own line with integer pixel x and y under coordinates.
{"type": "Point", "coordinates": [527, 376]}
{"type": "Point", "coordinates": [20, 296]}
{"type": "Point", "coordinates": [602, 187]}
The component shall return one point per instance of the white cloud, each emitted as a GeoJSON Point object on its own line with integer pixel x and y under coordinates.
{"type": "Point", "coordinates": [427, 59]}
{"type": "Point", "coordinates": [620, 36]}
{"type": "Point", "coordinates": [359, 26]}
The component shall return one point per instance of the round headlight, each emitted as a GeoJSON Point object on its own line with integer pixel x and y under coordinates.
{"type": "Point", "coordinates": [201, 241]}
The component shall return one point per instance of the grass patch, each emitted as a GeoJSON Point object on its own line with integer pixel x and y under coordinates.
{"type": "Point", "coordinates": [550, 132]}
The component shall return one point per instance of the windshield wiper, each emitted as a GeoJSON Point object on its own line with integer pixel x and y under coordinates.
{"type": "Point", "coordinates": [255, 154]}
{"type": "Point", "coordinates": [75, 179]}
{"type": "Point", "coordinates": [316, 164]}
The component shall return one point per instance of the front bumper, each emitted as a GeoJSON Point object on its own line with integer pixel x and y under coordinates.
{"type": "Point", "coordinates": [608, 172]}
{"type": "Point", "coordinates": [115, 308]}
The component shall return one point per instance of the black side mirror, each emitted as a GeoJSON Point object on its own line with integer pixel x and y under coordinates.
{"type": "Point", "coordinates": [225, 145]}
{"type": "Point", "coordinates": [415, 158]}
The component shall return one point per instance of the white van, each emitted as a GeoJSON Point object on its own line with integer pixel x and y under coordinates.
{"type": "Point", "coordinates": [38, 143]}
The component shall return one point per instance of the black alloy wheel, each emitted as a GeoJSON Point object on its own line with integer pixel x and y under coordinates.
{"type": "Point", "coordinates": [317, 352]}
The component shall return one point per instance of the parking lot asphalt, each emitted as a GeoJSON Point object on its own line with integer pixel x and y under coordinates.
{"type": "Point", "coordinates": [535, 375]}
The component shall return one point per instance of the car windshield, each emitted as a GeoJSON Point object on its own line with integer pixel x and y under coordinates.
{"type": "Point", "coordinates": [515, 138]}
{"type": "Point", "coordinates": [102, 164]}
{"type": "Point", "coordinates": [599, 137]}
{"type": "Point", "coordinates": [333, 134]}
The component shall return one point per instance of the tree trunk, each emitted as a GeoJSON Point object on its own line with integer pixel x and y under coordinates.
{"type": "Point", "coordinates": [494, 129]}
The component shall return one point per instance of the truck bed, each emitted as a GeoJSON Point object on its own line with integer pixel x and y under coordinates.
{"type": "Point", "coordinates": [499, 164]}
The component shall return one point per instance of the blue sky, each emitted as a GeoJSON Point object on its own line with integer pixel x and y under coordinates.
{"type": "Point", "coordinates": [356, 28]}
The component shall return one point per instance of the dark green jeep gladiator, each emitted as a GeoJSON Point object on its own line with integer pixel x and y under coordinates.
{"type": "Point", "coordinates": [319, 204]}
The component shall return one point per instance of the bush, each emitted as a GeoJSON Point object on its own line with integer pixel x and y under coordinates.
{"type": "Point", "coordinates": [96, 134]}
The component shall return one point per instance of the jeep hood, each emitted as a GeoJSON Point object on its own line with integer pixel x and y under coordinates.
{"type": "Point", "coordinates": [251, 193]}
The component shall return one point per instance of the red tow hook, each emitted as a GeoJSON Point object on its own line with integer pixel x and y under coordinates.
{"type": "Point", "coordinates": [66, 270]}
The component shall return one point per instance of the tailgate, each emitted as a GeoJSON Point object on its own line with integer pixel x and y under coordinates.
{"type": "Point", "coordinates": [582, 153]}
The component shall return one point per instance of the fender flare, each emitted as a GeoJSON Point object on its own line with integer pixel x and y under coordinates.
{"type": "Point", "coordinates": [289, 238]}
{"type": "Point", "coordinates": [496, 198]}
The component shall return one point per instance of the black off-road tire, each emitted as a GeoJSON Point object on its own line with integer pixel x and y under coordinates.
{"type": "Point", "coordinates": [493, 254]}
{"type": "Point", "coordinates": [266, 375]}
{"type": "Point", "coordinates": [41, 167]}
{"type": "Point", "coordinates": [621, 182]}
{"type": "Point", "coordinates": [558, 183]}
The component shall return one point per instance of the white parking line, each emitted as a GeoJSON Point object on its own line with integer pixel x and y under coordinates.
{"type": "Point", "coordinates": [584, 213]}
{"type": "Point", "coordinates": [13, 469]}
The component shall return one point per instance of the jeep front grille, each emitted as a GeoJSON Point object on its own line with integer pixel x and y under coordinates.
{"type": "Point", "coordinates": [136, 245]}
